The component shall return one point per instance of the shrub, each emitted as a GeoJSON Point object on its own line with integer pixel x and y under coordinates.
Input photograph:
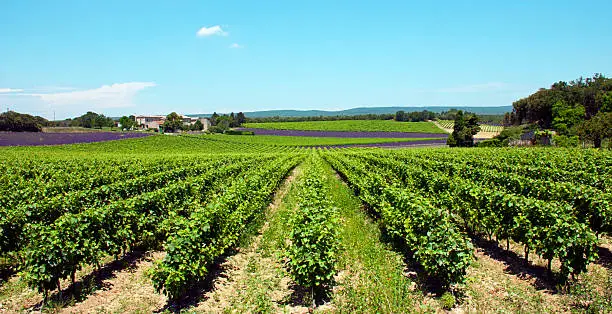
{"type": "Point", "coordinates": [566, 141]}
{"type": "Point", "coordinates": [447, 300]}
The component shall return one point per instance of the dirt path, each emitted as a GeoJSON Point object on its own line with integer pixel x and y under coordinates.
{"type": "Point", "coordinates": [129, 291]}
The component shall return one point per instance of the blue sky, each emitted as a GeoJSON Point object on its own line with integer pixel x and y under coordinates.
{"type": "Point", "coordinates": [125, 57]}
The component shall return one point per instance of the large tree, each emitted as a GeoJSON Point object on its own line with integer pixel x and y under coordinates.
{"type": "Point", "coordinates": [173, 122]}
{"type": "Point", "coordinates": [597, 128]}
{"type": "Point", "coordinates": [240, 118]}
{"type": "Point", "coordinates": [464, 130]}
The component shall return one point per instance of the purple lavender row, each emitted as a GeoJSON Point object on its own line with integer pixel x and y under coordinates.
{"type": "Point", "coordinates": [37, 139]}
{"type": "Point", "coordinates": [387, 145]}
{"type": "Point", "coordinates": [344, 134]}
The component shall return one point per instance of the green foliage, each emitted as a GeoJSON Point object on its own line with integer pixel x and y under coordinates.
{"type": "Point", "coordinates": [566, 141]}
{"type": "Point", "coordinates": [494, 142]}
{"type": "Point", "coordinates": [513, 132]}
{"type": "Point", "coordinates": [173, 123]}
{"type": "Point", "coordinates": [447, 300]}
{"type": "Point", "coordinates": [56, 251]}
{"type": "Point", "coordinates": [429, 232]}
{"type": "Point", "coordinates": [127, 123]}
{"type": "Point", "coordinates": [93, 120]}
{"type": "Point", "coordinates": [314, 232]}
{"type": "Point", "coordinates": [197, 126]}
{"type": "Point", "coordinates": [606, 102]}
{"type": "Point", "coordinates": [592, 94]}
{"type": "Point", "coordinates": [539, 215]}
{"type": "Point", "coordinates": [224, 122]}
{"type": "Point", "coordinates": [566, 117]}
{"type": "Point", "coordinates": [216, 225]}
{"type": "Point", "coordinates": [464, 129]}
{"type": "Point", "coordinates": [414, 116]}
{"type": "Point", "coordinates": [597, 128]}
{"type": "Point", "coordinates": [12, 121]}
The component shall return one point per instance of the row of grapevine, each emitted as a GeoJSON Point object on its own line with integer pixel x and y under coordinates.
{"type": "Point", "coordinates": [592, 206]}
{"type": "Point", "coordinates": [449, 124]}
{"type": "Point", "coordinates": [314, 231]}
{"type": "Point", "coordinates": [428, 231]}
{"type": "Point", "coordinates": [58, 250]}
{"type": "Point", "coordinates": [550, 229]}
{"type": "Point", "coordinates": [74, 175]}
{"type": "Point", "coordinates": [595, 169]}
{"type": "Point", "coordinates": [215, 226]}
{"type": "Point", "coordinates": [49, 209]}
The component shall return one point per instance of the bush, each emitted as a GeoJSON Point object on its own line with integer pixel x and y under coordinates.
{"type": "Point", "coordinates": [216, 129]}
{"type": "Point", "coordinates": [566, 141]}
{"type": "Point", "coordinates": [490, 143]}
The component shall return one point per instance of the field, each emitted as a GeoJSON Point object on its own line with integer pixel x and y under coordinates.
{"type": "Point", "coordinates": [35, 139]}
{"type": "Point", "coordinates": [216, 223]}
{"type": "Point", "coordinates": [351, 125]}
{"type": "Point", "coordinates": [448, 124]}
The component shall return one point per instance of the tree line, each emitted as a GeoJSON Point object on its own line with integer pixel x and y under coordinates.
{"type": "Point", "coordinates": [580, 108]}
{"type": "Point", "coordinates": [402, 116]}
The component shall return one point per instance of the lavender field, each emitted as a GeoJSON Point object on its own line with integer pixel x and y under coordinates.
{"type": "Point", "coordinates": [38, 138]}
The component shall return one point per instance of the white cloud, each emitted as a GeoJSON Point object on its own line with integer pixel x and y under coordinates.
{"type": "Point", "coordinates": [10, 90]}
{"type": "Point", "coordinates": [236, 46]}
{"type": "Point", "coordinates": [209, 31]}
{"type": "Point", "coordinates": [108, 96]}
{"type": "Point", "coordinates": [476, 88]}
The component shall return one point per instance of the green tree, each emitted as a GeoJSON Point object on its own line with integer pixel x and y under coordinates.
{"type": "Point", "coordinates": [463, 131]}
{"type": "Point", "coordinates": [213, 118]}
{"type": "Point", "coordinates": [100, 121]}
{"type": "Point", "coordinates": [88, 120]}
{"type": "Point", "coordinates": [400, 116]}
{"type": "Point", "coordinates": [240, 118]}
{"type": "Point", "coordinates": [173, 122]}
{"type": "Point", "coordinates": [127, 123]}
{"type": "Point", "coordinates": [566, 117]}
{"type": "Point", "coordinates": [606, 102]}
{"type": "Point", "coordinates": [198, 126]}
{"type": "Point", "coordinates": [597, 128]}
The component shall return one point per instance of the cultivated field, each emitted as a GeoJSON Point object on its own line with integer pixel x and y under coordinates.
{"type": "Point", "coordinates": [351, 125]}
{"type": "Point", "coordinates": [39, 138]}
{"type": "Point", "coordinates": [449, 124]}
{"type": "Point", "coordinates": [211, 224]}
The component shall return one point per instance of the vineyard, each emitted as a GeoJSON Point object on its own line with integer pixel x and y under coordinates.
{"type": "Point", "coordinates": [351, 125]}
{"type": "Point", "coordinates": [449, 124]}
{"type": "Point", "coordinates": [218, 224]}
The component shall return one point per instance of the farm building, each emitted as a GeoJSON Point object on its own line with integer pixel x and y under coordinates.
{"type": "Point", "coordinates": [156, 121]}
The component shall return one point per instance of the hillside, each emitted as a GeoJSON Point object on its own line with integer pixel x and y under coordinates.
{"type": "Point", "coordinates": [365, 110]}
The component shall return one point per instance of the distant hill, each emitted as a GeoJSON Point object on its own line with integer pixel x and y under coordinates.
{"type": "Point", "coordinates": [364, 110]}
